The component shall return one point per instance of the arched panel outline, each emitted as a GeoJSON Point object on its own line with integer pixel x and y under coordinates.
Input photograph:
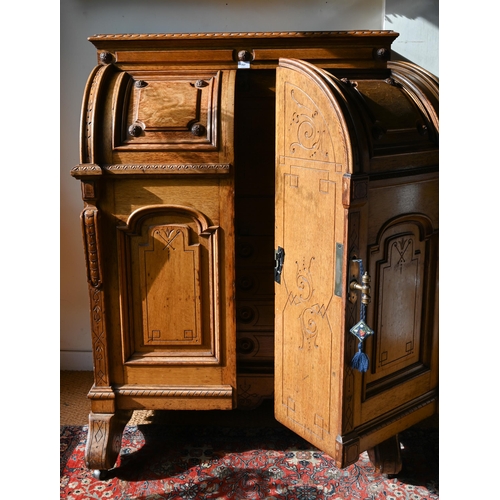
{"type": "Point", "coordinates": [207, 350]}
{"type": "Point", "coordinates": [424, 231]}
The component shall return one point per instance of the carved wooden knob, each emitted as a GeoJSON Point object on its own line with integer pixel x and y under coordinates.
{"type": "Point", "coordinates": [246, 283]}
{"type": "Point", "coordinates": [106, 57]}
{"type": "Point", "coordinates": [382, 54]}
{"type": "Point", "coordinates": [244, 55]}
{"type": "Point", "coordinates": [197, 129]}
{"type": "Point", "coordinates": [245, 250]}
{"type": "Point", "coordinates": [246, 314]}
{"type": "Point", "coordinates": [135, 130]}
{"type": "Point", "coordinates": [245, 345]}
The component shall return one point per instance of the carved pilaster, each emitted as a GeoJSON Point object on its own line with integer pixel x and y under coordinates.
{"type": "Point", "coordinates": [89, 219]}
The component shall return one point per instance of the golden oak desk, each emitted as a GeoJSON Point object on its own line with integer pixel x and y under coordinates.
{"type": "Point", "coordinates": [236, 187]}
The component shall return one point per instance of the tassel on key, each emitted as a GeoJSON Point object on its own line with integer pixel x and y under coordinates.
{"type": "Point", "coordinates": [360, 360]}
{"type": "Point", "coordinates": [361, 330]}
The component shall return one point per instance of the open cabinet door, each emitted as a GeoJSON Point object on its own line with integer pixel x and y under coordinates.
{"type": "Point", "coordinates": [356, 181]}
{"type": "Point", "coordinates": [313, 153]}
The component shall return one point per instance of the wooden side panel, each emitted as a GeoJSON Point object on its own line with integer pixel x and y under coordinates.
{"type": "Point", "coordinates": [312, 156]}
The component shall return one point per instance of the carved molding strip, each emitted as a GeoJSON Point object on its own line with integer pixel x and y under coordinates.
{"type": "Point", "coordinates": [86, 170]}
{"type": "Point", "coordinates": [176, 392]}
{"type": "Point", "coordinates": [181, 168]}
{"type": "Point", "coordinates": [101, 393]}
{"type": "Point", "coordinates": [270, 34]}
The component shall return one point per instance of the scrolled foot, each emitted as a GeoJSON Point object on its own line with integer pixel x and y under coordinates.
{"type": "Point", "coordinates": [104, 440]}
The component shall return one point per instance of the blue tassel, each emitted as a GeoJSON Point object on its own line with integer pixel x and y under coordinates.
{"type": "Point", "coordinates": [361, 330]}
{"type": "Point", "coordinates": [360, 360]}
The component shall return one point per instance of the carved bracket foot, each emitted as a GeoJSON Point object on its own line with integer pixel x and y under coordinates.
{"type": "Point", "coordinates": [105, 438]}
{"type": "Point", "coordinates": [386, 456]}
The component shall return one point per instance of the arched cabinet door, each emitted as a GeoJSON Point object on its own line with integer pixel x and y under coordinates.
{"type": "Point", "coordinates": [344, 197]}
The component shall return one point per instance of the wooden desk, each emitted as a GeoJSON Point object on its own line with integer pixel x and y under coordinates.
{"type": "Point", "coordinates": [236, 187]}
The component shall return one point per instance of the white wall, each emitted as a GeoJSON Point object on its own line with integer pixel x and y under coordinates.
{"type": "Point", "coordinates": [80, 19]}
{"type": "Point", "coordinates": [418, 26]}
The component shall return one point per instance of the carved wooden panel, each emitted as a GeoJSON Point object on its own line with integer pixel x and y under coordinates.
{"type": "Point", "coordinates": [310, 129]}
{"type": "Point", "coordinates": [308, 282]}
{"type": "Point", "coordinates": [400, 271]}
{"type": "Point", "coordinates": [311, 159]}
{"type": "Point", "coordinates": [400, 266]}
{"type": "Point", "coordinates": [170, 111]}
{"type": "Point", "coordinates": [170, 292]}
{"type": "Point", "coordinates": [169, 267]}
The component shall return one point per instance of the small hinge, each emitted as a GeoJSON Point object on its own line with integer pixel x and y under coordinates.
{"type": "Point", "coordinates": [279, 258]}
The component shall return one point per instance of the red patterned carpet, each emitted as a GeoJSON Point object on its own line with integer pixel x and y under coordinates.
{"type": "Point", "coordinates": [160, 462]}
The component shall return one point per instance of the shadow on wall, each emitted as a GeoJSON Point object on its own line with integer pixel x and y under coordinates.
{"type": "Point", "coordinates": [424, 9]}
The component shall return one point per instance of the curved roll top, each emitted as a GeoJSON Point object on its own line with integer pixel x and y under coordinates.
{"type": "Point", "coordinates": [362, 125]}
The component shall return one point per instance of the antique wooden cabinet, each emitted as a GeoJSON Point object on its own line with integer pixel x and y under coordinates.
{"type": "Point", "coordinates": [248, 199]}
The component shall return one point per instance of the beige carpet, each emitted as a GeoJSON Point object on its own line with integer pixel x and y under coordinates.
{"type": "Point", "coordinates": [75, 406]}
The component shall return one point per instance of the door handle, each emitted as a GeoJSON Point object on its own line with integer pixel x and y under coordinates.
{"type": "Point", "coordinates": [361, 330]}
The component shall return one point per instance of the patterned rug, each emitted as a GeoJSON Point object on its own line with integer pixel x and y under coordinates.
{"type": "Point", "coordinates": [161, 462]}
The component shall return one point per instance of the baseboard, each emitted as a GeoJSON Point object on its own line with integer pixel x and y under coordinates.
{"type": "Point", "coordinates": [76, 360]}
